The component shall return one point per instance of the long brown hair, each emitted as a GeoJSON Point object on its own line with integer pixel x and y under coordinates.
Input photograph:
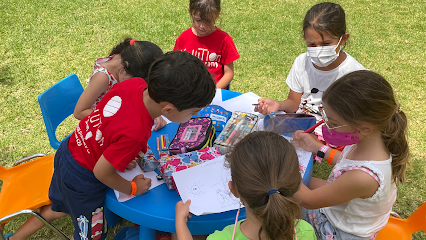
{"type": "Point", "coordinates": [366, 97]}
{"type": "Point", "coordinates": [262, 161]}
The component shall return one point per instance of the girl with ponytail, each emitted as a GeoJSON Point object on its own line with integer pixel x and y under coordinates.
{"type": "Point", "coordinates": [265, 176]}
{"type": "Point", "coordinates": [360, 113]}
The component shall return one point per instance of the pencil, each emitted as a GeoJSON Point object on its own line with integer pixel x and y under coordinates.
{"type": "Point", "coordinates": [313, 127]}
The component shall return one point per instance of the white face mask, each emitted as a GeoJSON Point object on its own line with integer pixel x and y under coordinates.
{"type": "Point", "coordinates": [324, 55]}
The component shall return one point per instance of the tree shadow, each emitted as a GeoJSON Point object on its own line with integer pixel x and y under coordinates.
{"type": "Point", "coordinates": [5, 76]}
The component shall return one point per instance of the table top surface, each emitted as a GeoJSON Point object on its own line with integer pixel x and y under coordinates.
{"type": "Point", "coordinates": [156, 208]}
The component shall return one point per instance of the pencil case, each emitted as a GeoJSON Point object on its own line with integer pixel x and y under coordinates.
{"type": "Point", "coordinates": [288, 122]}
{"type": "Point", "coordinates": [147, 161]}
{"type": "Point", "coordinates": [170, 164]}
{"type": "Point", "coordinates": [195, 134]}
{"type": "Point", "coordinates": [238, 126]}
{"type": "Point", "coordinates": [218, 114]}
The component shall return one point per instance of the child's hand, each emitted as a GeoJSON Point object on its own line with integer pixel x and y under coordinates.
{"type": "Point", "coordinates": [143, 184]}
{"type": "Point", "coordinates": [182, 211]}
{"type": "Point", "coordinates": [131, 165]}
{"type": "Point", "coordinates": [160, 123]}
{"type": "Point", "coordinates": [266, 106]}
{"type": "Point", "coordinates": [307, 141]}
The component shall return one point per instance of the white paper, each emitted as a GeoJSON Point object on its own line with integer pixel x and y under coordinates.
{"type": "Point", "coordinates": [242, 103]}
{"type": "Point", "coordinates": [129, 175]}
{"type": "Point", "coordinates": [217, 100]}
{"type": "Point", "coordinates": [303, 155]}
{"type": "Point", "coordinates": [155, 122]}
{"type": "Point", "coordinates": [207, 187]}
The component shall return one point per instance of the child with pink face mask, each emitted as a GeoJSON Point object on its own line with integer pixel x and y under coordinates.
{"type": "Point", "coordinates": [324, 30]}
{"type": "Point", "coordinates": [360, 113]}
{"type": "Point", "coordinates": [209, 43]}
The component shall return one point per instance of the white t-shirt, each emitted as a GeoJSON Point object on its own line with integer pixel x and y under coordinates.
{"type": "Point", "coordinates": [303, 77]}
{"type": "Point", "coordinates": [359, 216]}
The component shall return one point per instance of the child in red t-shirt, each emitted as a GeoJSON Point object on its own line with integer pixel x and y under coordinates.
{"type": "Point", "coordinates": [207, 42]}
{"type": "Point", "coordinates": [110, 137]}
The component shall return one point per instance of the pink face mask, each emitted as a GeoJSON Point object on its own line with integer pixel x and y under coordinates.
{"type": "Point", "coordinates": [339, 138]}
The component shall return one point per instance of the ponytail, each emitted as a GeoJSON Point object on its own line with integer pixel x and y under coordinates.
{"type": "Point", "coordinates": [395, 139]}
{"type": "Point", "coordinates": [265, 172]}
{"type": "Point", "coordinates": [137, 56]}
{"type": "Point", "coordinates": [278, 217]}
{"type": "Point", "coordinates": [120, 47]}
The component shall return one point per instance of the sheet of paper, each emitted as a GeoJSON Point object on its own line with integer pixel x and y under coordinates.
{"type": "Point", "coordinates": [207, 187]}
{"type": "Point", "coordinates": [129, 175]}
{"type": "Point", "coordinates": [217, 100]}
{"type": "Point", "coordinates": [242, 103]}
{"type": "Point", "coordinates": [155, 122]}
{"type": "Point", "coordinates": [304, 156]}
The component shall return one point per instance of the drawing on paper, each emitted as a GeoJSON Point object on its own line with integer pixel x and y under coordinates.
{"type": "Point", "coordinates": [224, 195]}
{"type": "Point", "coordinates": [195, 188]}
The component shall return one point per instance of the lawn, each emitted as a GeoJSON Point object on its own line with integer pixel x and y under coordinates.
{"type": "Point", "coordinates": [44, 41]}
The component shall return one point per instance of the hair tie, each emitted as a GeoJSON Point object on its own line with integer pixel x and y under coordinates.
{"type": "Point", "coordinates": [132, 41]}
{"type": "Point", "coordinates": [273, 191]}
{"type": "Point", "coordinates": [398, 108]}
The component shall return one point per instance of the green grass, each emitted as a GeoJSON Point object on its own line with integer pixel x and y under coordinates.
{"type": "Point", "coordinates": [44, 41]}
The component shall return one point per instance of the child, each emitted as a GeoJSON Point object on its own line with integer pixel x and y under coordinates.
{"type": "Point", "coordinates": [360, 113]}
{"type": "Point", "coordinates": [324, 30]}
{"type": "Point", "coordinates": [112, 135]}
{"type": "Point", "coordinates": [265, 176]}
{"type": "Point", "coordinates": [130, 58]}
{"type": "Point", "coordinates": [206, 41]}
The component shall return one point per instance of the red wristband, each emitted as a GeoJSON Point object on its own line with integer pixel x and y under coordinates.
{"type": "Point", "coordinates": [331, 156]}
{"type": "Point", "coordinates": [134, 188]}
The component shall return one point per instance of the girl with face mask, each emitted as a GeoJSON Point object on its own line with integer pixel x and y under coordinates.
{"type": "Point", "coordinates": [360, 113]}
{"type": "Point", "coordinates": [324, 30]}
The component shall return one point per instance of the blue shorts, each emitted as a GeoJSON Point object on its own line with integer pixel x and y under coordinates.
{"type": "Point", "coordinates": [324, 230]}
{"type": "Point", "coordinates": [75, 190]}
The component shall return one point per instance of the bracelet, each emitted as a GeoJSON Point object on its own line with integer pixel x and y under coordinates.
{"type": "Point", "coordinates": [331, 156]}
{"type": "Point", "coordinates": [321, 153]}
{"type": "Point", "coordinates": [134, 188]}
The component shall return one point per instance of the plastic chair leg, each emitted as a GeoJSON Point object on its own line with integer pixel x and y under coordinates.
{"type": "Point", "coordinates": [35, 214]}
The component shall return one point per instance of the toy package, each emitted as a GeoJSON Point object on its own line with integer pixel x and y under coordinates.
{"type": "Point", "coordinates": [170, 164]}
{"type": "Point", "coordinates": [238, 126]}
{"type": "Point", "coordinates": [218, 114]}
{"type": "Point", "coordinates": [148, 162]}
{"type": "Point", "coordinates": [195, 134]}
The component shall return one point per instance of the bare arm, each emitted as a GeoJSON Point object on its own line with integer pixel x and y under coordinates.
{"type": "Point", "coordinates": [228, 75]}
{"type": "Point", "coordinates": [350, 185]}
{"type": "Point", "coordinates": [107, 174]}
{"type": "Point", "coordinates": [290, 105]}
{"type": "Point", "coordinates": [98, 85]}
{"type": "Point", "coordinates": [310, 143]}
{"type": "Point", "coordinates": [182, 214]}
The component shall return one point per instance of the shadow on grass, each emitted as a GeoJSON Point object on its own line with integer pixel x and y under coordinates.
{"type": "Point", "coordinates": [5, 76]}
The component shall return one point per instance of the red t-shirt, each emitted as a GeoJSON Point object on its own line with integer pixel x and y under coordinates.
{"type": "Point", "coordinates": [119, 127]}
{"type": "Point", "coordinates": [215, 50]}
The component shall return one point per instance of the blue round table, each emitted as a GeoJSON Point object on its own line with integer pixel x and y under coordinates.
{"type": "Point", "coordinates": [155, 210]}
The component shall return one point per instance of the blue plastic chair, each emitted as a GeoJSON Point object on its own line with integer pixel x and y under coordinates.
{"type": "Point", "coordinates": [57, 103]}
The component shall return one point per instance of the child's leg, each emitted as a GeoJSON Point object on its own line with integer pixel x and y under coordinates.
{"type": "Point", "coordinates": [32, 225]}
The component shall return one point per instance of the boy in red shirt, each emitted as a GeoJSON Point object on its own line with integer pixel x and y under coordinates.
{"type": "Point", "coordinates": [113, 134]}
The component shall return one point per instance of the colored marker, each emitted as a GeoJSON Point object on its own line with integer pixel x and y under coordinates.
{"type": "Point", "coordinates": [313, 127]}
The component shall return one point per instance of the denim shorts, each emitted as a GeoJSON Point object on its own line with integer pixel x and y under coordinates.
{"type": "Point", "coordinates": [324, 230]}
{"type": "Point", "coordinates": [75, 190]}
